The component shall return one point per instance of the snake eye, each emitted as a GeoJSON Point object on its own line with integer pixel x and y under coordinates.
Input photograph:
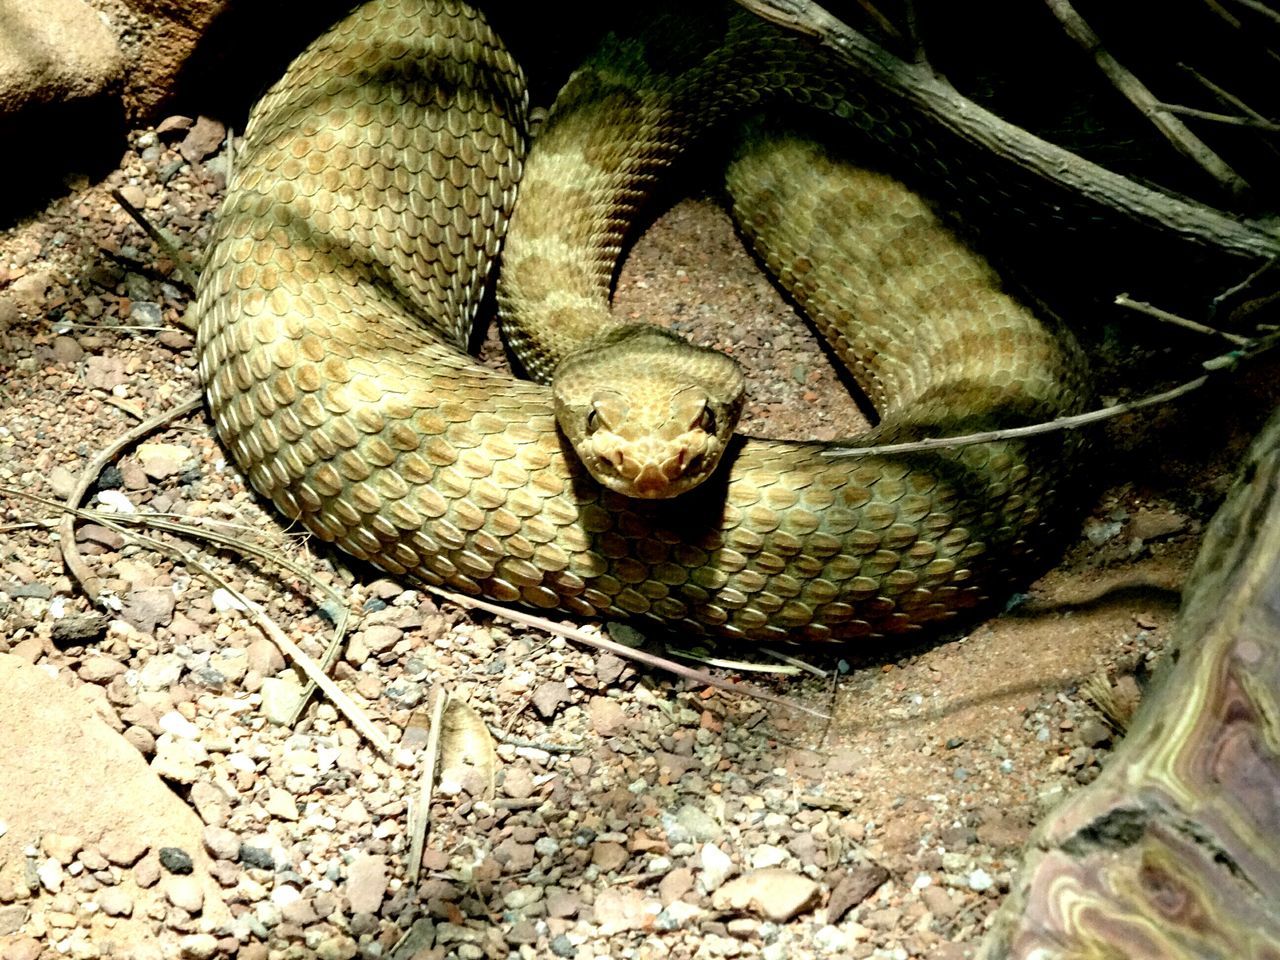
{"type": "Point", "coordinates": [706, 421]}
{"type": "Point", "coordinates": [593, 420]}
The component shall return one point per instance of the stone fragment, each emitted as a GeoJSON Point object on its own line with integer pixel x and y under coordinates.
{"type": "Point", "coordinates": [63, 847]}
{"type": "Point", "coordinates": [366, 883]}
{"type": "Point", "coordinates": [715, 865]}
{"type": "Point", "coordinates": [122, 849]}
{"type": "Point", "coordinates": [618, 909]}
{"type": "Point", "coordinates": [198, 946]}
{"type": "Point", "coordinates": [204, 137]}
{"type": "Point", "coordinates": [185, 893]}
{"type": "Point", "coordinates": [773, 893]}
{"type": "Point", "coordinates": [162, 460]}
{"type": "Point", "coordinates": [115, 902]}
{"type": "Point", "coordinates": [609, 856]}
{"type": "Point", "coordinates": [675, 885]}
{"type": "Point", "coordinates": [222, 844]}
{"type": "Point", "coordinates": [691, 824]}
{"type": "Point", "coordinates": [148, 608]}
{"type": "Point", "coordinates": [607, 716]}
{"type": "Point", "coordinates": [176, 860]}
{"type": "Point", "coordinates": [99, 669]}
{"type": "Point", "coordinates": [548, 697]}
{"type": "Point", "coordinates": [854, 887]}
{"type": "Point", "coordinates": [280, 695]}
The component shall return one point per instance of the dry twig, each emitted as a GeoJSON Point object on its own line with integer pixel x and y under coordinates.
{"type": "Point", "coordinates": [1136, 92]}
{"type": "Point", "coordinates": [162, 240]}
{"type": "Point", "coordinates": [1217, 364]}
{"type": "Point", "coordinates": [420, 816]}
{"type": "Point", "coordinates": [1124, 300]}
{"type": "Point", "coordinates": [71, 557]}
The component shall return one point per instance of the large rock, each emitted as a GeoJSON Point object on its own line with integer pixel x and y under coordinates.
{"type": "Point", "coordinates": [53, 51]}
{"type": "Point", "coordinates": [64, 771]}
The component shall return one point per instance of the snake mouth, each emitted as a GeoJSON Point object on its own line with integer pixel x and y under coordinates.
{"type": "Point", "coordinates": [649, 478]}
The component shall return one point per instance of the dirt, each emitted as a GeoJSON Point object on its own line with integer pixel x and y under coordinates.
{"type": "Point", "coordinates": [935, 762]}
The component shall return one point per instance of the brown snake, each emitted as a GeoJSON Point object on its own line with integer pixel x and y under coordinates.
{"type": "Point", "coordinates": [369, 204]}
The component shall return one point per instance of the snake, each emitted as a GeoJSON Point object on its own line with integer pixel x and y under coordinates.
{"type": "Point", "coordinates": [373, 193]}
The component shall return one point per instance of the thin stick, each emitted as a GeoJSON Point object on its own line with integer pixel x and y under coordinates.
{"type": "Point", "coordinates": [421, 820]}
{"type": "Point", "coordinates": [1225, 361]}
{"type": "Point", "coordinates": [1013, 433]}
{"type": "Point", "coordinates": [1223, 94]}
{"type": "Point", "coordinates": [71, 557]}
{"type": "Point", "coordinates": [601, 643]}
{"type": "Point", "coordinates": [1173, 130]}
{"type": "Point", "coordinates": [1261, 9]}
{"type": "Point", "coordinates": [1240, 287]}
{"type": "Point", "coordinates": [1217, 117]}
{"type": "Point", "coordinates": [1123, 300]}
{"type": "Point", "coordinates": [159, 236]}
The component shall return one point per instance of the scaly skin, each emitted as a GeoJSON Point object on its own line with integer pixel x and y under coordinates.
{"type": "Point", "coordinates": [369, 202]}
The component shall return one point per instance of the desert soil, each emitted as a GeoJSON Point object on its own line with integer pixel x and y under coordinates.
{"type": "Point", "coordinates": [633, 811]}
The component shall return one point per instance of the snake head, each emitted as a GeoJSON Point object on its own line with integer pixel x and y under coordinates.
{"type": "Point", "coordinates": [648, 413]}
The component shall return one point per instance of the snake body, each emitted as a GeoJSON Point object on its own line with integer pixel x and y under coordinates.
{"type": "Point", "coordinates": [372, 194]}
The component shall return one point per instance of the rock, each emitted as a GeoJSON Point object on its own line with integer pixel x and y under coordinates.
{"type": "Point", "coordinates": [176, 860]}
{"type": "Point", "coordinates": [222, 844]}
{"type": "Point", "coordinates": [67, 772]}
{"type": "Point", "coordinates": [281, 804]}
{"type": "Point", "coordinates": [174, 124]}
{"type": "Point", "coordinates": [198, 946]}
{"type": "Point", "coordinates": [185, 893]}
{"type": "Point", "coordinates": [12, 917]}
{"type": "Point", "coordinates": [517, 781]}
{"type": "Point", "coordinates": [98, 669]}
{"type": "Point", "coordinates": [854, 887]}
{"type": "Point", "coordinates": [162, 460]}
{"type": "Point", "coordinates": [563, 903]}
{"type": "Point", "coordinates": [609, 856]}
{"type": "Point", "coordinates": [105, 373]}
{"type": "Point", "coordinates": [773, 893]}
{"type": "Point", "coordinates": [263, 657]}
{"type": "Point", "coordinates": [618, 909]}
{"type": "Point", "coordinates": [53, 51]}
{"type": "Point", "coordinates": [50, 874]}
{"type": "Point", "coordinates": [1156, 524]}
{"type": "Point", "coordinates": [61, 482]}
{"type": "Point", "coordinates": [280, 695]}
{"type": "Point", "coordinates": [23, 948]}
{"type": "Point", "coordinates": [115, 902]}
{"type": "Point", "coordinates": [121, 848]}
{"type": "Point", "coordinates": [366, 883]}
{"type": "Point", "coordinates": [691, 824]}
{"type": "Point", "coordinates": [548, 697]}
{"type": "Point", "coordinates": [715, 865]}
{"type": "Point", "coordinates": [382, 637]}
{"type": "Point", "coordinates": [148, 608]}
{"type": "Point", "coordinates": [607, 717]}
{"type": "Point", "coordinates": [675, 885]}
{"type": "Point", "coordinates": [63, 847]}
{"type": "Point", "coordinates": [181, 761]}
{"type": "Point", "coordinates": [204, 137]}
{"type": "Point", "coordinates": [940, 903]}
{"type": "Point", "coordinates": [67, 350]}
{"type": "Point", "coordinates": [980, 880]}
{"type": "Point", "coordinates": [213, 805]}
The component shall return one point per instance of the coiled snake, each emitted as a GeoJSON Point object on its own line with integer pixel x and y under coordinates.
{"type": "Point", "coordinates": [371, 197]}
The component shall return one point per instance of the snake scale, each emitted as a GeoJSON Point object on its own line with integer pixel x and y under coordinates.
{"type": "Point", "coordinates": [369, 204]}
